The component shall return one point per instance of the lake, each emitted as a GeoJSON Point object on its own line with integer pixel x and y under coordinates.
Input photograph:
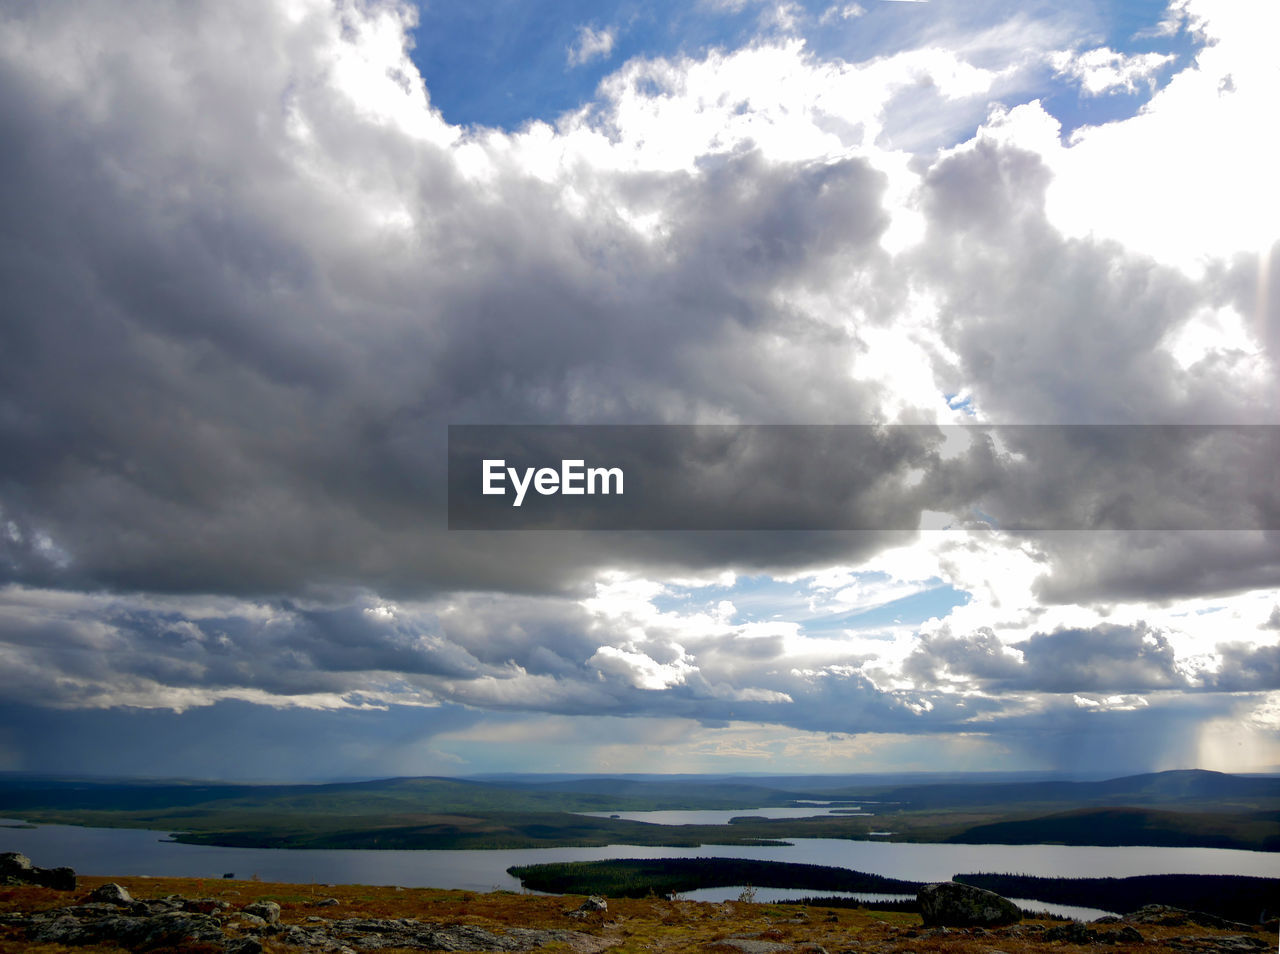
{"type": "Point", "coordinates": [138, 852]}
{"type": "Point", "coordinates": [703, 816]}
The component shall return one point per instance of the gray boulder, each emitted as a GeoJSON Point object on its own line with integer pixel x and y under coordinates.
{"type": "Point", "coordinates": [111, 893]}
{"type": "Point", "coordinates": [17, 869]}
{"type": "Point", "coordinates": [1168, 916]}
{"type": "Point", "coordinates": [593, 905]}
{"type": "Point", "coordinates": [269, 911]}
{"type": "Point", "coordinates": [165, 931]}
{"type": "Point", "coordinates": [950, 904]}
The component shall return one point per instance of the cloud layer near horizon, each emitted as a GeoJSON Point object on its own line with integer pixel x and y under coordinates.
{"type": "Point", "coordinates": [250, 274]}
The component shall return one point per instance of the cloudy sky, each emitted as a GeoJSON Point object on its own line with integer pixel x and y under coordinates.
{"type": "Point", "coordinates": [255, 257]}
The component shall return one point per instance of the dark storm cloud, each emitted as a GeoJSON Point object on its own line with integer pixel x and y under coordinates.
{"type": "Point", "coordinates": [222, 376]}
{"type": "Point", "coordinates": [228, 381]}
{"type": "Point", "coordinates": [1056, 330]}
{"type": "Point", "coordinates": [981, 656]}
{"type": "Point", "coordinates": [1104, 659]}
{"type": "Point", "coordinates": [1136, 738]}
{"type": "Point", "coordinates": [1051, 329]}
{"type": "Point", "coordinates": [1103, 566]}
{"type": "Point", "coordinates": [233, 740]}
{"type": "Point", "coordinates": [1246, 668]}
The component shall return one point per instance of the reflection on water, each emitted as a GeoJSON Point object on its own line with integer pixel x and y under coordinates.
{"type": "Point", "coordinates": [134, 852]}
{"type": "Point", "coordinates": [717, 817]}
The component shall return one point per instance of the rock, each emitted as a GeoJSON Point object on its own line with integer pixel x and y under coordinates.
{"type": "Point", "coordinates": [1073, 933]}
{"type": "Point", "coordinates": [1219, 944]}
{"type": "Point", "coordinates": [166, 931]}
{"type": "Point", "coordinates": [1077, 933]}
{"type": "Point", "coordinates": [14, 864]}
{"type": "Point", "coordinates": [162, 926]}
{"type": "Point", "coordinates": [1168, 916]}
{"type": "Point", "coordinates": [269, 911]}
{"type": "Point", "coordinates": [111, 893]}
{"type": "Point", "coordinates": [17, 869]}
{"type": "Point", "coordinates": [324, 903]}
{"type": "Point", "coordinates": [950, 904]}
{"type": "Point", "coordinates": [593, 905]}
{"type": "Point", "coordinates": [1158, 914]}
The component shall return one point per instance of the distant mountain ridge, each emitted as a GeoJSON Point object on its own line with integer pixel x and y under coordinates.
{"type": "Point", "coordinates": [1149, 788]}
{"type": "Point", "coordinates": [18, 792]}
{"type": "Point", "coordinates": [1186, 808]}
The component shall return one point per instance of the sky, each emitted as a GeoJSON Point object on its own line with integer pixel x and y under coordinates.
{"type": "Point", "coordinates": [256, 257]}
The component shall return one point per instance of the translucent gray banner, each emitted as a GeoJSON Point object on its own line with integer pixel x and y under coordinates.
{"type": "Point", "coordinates": [863, 477]}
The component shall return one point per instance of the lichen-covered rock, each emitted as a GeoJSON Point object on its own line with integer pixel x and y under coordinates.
{"type": "Point", "coordinates": [135, 933]}
{"type": "Point", "coordinates": [950, 904]}
{"type": "Point", "coordinates": [1168, 916]}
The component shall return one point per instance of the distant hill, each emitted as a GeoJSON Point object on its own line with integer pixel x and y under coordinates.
{"type": "Point", "coordinates": [1188, 785]}
{"type": "Point", "coordinates": [1134, 826]}
{"type": "Point", "coordinates": [1190, 808]}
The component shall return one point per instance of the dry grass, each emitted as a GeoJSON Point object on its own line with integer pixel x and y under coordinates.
{"type": "Point", "coordinates": [631, 926]}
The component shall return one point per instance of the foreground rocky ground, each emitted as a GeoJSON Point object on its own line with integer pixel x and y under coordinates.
{"type": "Point", "coordinates": [247, 917]}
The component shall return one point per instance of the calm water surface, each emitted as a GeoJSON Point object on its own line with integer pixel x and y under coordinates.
{"type": "Point", "coordinates": [134, 852]}
{"type": "Point", "coordinates": [715, 817]}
